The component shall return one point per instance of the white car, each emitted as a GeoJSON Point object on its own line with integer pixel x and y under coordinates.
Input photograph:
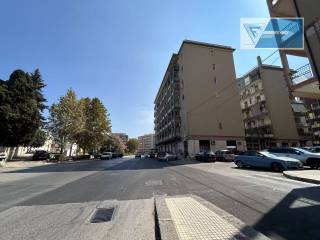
{"type": "Point", "coordinates": [106, 156]}
{"type": "Point", "coordinates": [166, 157]}
{"type": "Point", "coordinates": [2, 156]}
{"type": "Point", "coordinates": [306, 157]}
{"type": "Point", "coordinates": [224, 155]}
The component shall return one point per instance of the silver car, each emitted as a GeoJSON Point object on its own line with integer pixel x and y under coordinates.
{"type": "Point", "coordinates": [306, 157]}
{"type": "Point", "coordinates": [166, 157]}
{"type": "Point", "coordinates": [106, 156]}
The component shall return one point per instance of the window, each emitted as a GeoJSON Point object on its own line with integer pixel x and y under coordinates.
{"type": "Point", "coordinates": [220, 125]}
{"type": "Point", "coordinates": [213, 66]}
{"type": "Point", "coordinates": [215, 80]}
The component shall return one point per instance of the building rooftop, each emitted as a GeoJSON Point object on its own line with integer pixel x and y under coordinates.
{"type": "Point", "coordinates": [186, 41]}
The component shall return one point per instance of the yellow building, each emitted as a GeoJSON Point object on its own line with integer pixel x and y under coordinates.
{"type": "Point", "coordinates": [197, 106]}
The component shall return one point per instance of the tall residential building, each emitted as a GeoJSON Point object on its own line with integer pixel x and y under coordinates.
{"type": "Point", "coordinates": [146, 143]}
{"type": "Point", "coordinates": [123, 137]}
{"type": "Point", "coordinates": [271, 118]}
{"type": "Point", "coordinates": [304, 80]}
{"type": "Point", "coordinates": [197, 106]}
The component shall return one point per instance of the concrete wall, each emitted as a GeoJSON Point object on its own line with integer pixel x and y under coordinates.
{"type": "Point", "coordinates": [210, 97]}
{"type": "Point", "coordinates": [309, 10]}
{"type": "Point", "coordinates": [278, 104]}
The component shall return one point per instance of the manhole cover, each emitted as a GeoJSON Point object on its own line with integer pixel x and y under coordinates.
{"type": "Point", "coordinates": [102, 215]}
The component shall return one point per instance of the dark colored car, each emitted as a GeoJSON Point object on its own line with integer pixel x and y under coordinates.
{"type": "Point", "coordinates": [41, 155]}
{"type": "Point", "coordinates": [117, 155]}
{"type": "Point", "coordinates": [138, 155]}
{"type": "Point", "coordinates": [152, 155]}
{"type": "Point", "coordinates": [206, 156]}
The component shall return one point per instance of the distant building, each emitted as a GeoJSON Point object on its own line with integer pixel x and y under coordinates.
{"type": "Point", "coordinates": [197, 105]}
{"type": "Point", "coordinates": [146, 143]}
{"type": "Point", "coordinates": [271, 118]}
{"type": "Point", "coordinates": [123, 137]}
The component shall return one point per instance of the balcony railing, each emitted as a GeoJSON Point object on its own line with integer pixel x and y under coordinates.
{"type": "Point", "coordinates": [301, 74]}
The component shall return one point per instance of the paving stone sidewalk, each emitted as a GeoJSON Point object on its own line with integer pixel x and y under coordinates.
{"type": "Point", "coordinates": [192, 218]}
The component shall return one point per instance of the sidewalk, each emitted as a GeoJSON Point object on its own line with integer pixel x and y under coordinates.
{"type": "Point", "coordinates": [190, 217]}
{"type": "Point", "coordinates": [22, 164]}
{"type": "Point", "coordinates": [311, 176]}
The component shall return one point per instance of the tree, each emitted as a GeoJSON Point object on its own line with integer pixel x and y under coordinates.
{"type": "Point", "coordinates": [97, 124]}
{"type": "Point", "coordinates": [112, 143]}
{"type": "Point", "coordinates": [39, 139]}
{"type": "Point", "coordinates": [66, 119]}
{"type": "Point", "coordinates": [21, 108]}
{"type": "Point", "coordinates": [132, 145]}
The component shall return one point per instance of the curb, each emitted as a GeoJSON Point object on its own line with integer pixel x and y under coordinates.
{"type": "Point", "coordinates": [164, 221]}
{"type": "Point", "coordinates": [302, 179]}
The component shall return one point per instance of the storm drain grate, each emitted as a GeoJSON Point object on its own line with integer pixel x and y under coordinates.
{"type": "Point", "coordinates": [102, 215]}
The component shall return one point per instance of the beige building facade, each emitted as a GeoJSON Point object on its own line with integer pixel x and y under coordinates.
{"type": "Point", "coordinates": [271, 118]}
{"type": "Point", "coordinates": [146, 143]}
{"type": "Point", "coordinates": [197, 106]}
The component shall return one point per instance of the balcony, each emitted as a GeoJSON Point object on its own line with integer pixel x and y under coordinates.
{"type": "Point", "coordinates": [304, 83]}
{"type": "Point", "coordinates": [302, 74]}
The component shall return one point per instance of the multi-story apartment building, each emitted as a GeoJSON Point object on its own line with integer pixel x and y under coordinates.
{"type": "Point", "coordinates": [303, 81]}
{"type": "Point", "coordinates": [146, 143]}
{"type": "Point", "coordinates": [271, 118]}
{"type": "Point", "coordinates": [314, 119]}
{"type": "Point", "coordinates": [197, 106]}
{"type": "Point", "coordinates": [123, 137]}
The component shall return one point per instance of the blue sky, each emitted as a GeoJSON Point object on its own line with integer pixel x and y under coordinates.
{"type": "Point", "coordinates": [116, 50]}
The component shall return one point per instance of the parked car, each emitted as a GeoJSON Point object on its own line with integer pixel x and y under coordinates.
{"type": "Point", "coordinates": [106, 156]}
{"type": "Point", "coordinates": [307, 157]}
{"type": "Point", "coordinates": [152, 155]}
{"type": "Point", "coordinates": [315, 149]}
{"type": "Point", "coordinates": [224, 155]}
{"type": "Point", "coordinates": [117, 155]}
{"type": "Point", "coordinates": [138, 155]}
{"type": "Point", "coordinates": [206, 156]}
{"type": "Point", "coordinates": [2, 156]}
{"type": "Point", "coordinates": [81, 157]}
{"type": "Point", "coordinates": [266, 160]}
{"type": "Point", "coordinates": [166, 157]}
{"type": "Point", "coordinates": [41, 155]}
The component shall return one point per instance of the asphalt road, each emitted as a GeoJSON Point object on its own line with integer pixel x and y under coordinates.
{"type": "Point", "coordinates": [278, 207]}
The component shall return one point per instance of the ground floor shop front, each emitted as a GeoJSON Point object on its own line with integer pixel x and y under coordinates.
{"type": "Point", "coordinates": [190, 146]}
